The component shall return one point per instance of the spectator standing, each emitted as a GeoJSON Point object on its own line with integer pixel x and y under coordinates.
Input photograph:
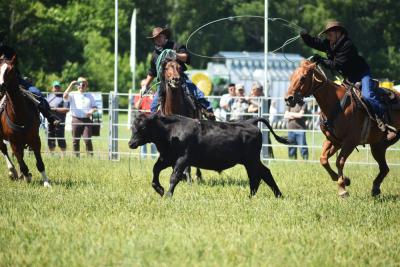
{"type": "Point", "coordinates": [82, 105]}
{"type": "Point", "coordinates": [240, 104]}
{"type": "Point", "coordinates": [143, 105]}
{"type": "Point", "coordinates": [60, 108]}
{"type": "Point", "coordinates": [297, 122]}
{"type": "Point", "coordinates": [255, 107]}
{"type": "Point", "coordinates": [273, 111]}
{"type": "Point", "coordinates": [226, 102]}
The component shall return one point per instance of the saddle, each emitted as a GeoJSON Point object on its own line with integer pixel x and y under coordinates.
{"type": "Point", "coordinates": [388, 98]}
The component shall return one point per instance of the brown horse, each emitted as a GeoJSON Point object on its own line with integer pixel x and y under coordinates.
{"type": "Point", "coordinates": [19, 124]}
{"type": "Point", "coordinates": [174, 100]}
{"type": "Point", "coordinates": [351, 125]}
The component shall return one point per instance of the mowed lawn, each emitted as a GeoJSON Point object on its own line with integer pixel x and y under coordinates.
{"type": "Point", "coordinates": [96, 214]}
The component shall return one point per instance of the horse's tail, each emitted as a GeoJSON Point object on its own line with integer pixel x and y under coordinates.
{"type": "Point", "coordinates": [278, 138]}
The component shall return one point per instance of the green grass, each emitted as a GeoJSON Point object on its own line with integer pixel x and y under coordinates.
{"type": "Point", "coordinates": [97, 215]}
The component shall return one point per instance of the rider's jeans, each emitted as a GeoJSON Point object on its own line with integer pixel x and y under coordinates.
{"type": "Point", "coordinates": [371, 95]}
{"type": "Point", "coordinates": [194, 90]}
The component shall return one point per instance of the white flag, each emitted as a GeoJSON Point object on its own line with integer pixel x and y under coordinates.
{"type": "Point", "coordinates": [132, 60]}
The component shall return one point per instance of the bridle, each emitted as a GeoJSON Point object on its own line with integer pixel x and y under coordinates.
{"type": "Point", "coordinates": [174, 82]}
{"type": "Point", "coordinates": [298, 97]}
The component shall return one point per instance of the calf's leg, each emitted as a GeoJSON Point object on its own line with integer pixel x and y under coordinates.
{"type": "Point", "coordinates": [179, 167]}
{"type": "Point", "coordinates": [160, 165]}
{"type": "Point", "coordinates": [266, 175]}
{"type": "Point", "coordinates": [254, 178]}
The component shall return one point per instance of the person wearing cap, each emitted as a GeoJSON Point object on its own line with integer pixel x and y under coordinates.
{"type": "Point", "coordinates": [82, 106]}
{"type": "Point", "coordinates": [227, 101]}
{"type": "Point", "coordinates": [240, 104]}
{"type": "Point", "coordinates": [343, 57]}
{"type": "Point", "coordinates": [161, 39]}
{"type": "Point", "coordinates": [60, 108]}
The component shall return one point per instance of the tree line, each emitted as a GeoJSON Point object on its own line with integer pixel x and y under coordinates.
{"type": "Point", "coordinates": [64, 39]}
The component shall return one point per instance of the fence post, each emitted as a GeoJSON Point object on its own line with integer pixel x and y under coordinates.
{"type": "Point", "coordinates": [115, 154]}
{"type": "Point", "coordinates": [110, 124]}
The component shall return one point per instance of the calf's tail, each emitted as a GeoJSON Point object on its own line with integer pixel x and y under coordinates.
{"type": "Point", "coordinates": [278, 138]}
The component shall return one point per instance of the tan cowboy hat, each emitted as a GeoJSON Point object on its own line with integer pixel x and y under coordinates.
{"type": "Point", "coordinates": [333, 24]}
{"type": "Point", "coordinates": [159, 30]}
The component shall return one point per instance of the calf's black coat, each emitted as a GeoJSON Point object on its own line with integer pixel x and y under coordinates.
{"type": "Point", "coordinates": [205, 144]}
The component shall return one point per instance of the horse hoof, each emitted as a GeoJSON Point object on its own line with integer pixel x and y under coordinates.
{"type": "Point", "coordinates": [344, 194]}
{"type": "Point", "coordinates": [168, 195]}
{"type": "Point", "coordinates": [28, 178]}
{"type": "Point", "coordinates": [46, 184]}
{"type": "Point", "coordinates": [13, 174]}
{"type": "Point", "coordinates": [375, 192]}
{"type": "Point", "coordinates": [347, 181]}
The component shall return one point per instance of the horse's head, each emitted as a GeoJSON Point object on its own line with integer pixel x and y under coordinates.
{"type": "Point", "coordinates": [301, 83]}
{"type": "Point", "coordinates": [173, 73]}
{"type": "Point", "coordinates": [7, 73]}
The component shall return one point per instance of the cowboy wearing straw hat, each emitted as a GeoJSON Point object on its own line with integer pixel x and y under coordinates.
{"type": "Point", "coordinates": [161, 39]}
{"type": "Point", "coordinates": [342, 56]}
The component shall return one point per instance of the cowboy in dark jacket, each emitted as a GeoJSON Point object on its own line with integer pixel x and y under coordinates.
{"type": "Point", "coordinates": [178, 52]}
{"type": "Point", "coordinates": [342, 56]}
{"type": "Point", "coordinates": [7, 52]}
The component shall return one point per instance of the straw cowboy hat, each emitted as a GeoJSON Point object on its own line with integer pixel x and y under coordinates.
{"type": "Point", "coordinates": [333, 25]}
{"type": "Point", "coordinates": [158, 30]}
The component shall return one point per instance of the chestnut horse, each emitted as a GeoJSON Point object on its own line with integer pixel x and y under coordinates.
{"type": "Point", "coordinates": [351, 125]}
{"type": "Point", "coordinates": [19, 124]}
{"type": "Point", "coordinates": [174, 100]}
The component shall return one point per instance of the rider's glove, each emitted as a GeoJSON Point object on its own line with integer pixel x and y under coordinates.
{"type": "Point", "coordinates": [143, 90]}
{"type": "Point", "coordinates": [317, 59]}
{"type": "Point", "coordinates": [171, 54]}
{"type": "Point", "coordinates": [303, 32]}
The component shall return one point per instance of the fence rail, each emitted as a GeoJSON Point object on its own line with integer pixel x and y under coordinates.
{"type": "Point", "coordinates": [112, 143]}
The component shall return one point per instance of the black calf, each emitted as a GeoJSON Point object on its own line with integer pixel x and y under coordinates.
{"type": "Point", "coordinates": [208, 145]}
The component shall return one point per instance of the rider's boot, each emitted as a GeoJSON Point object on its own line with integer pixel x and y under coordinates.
{"type": "Point", "coordinates": [51, 118]}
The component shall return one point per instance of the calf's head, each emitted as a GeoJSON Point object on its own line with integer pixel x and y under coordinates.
{"type": "Point", "coordinates": [141, 131]}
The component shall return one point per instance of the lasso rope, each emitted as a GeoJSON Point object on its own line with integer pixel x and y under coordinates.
{"type": "Point", "coordinates": [159, 62]}
{"type": "Point", "coordinates": [286, 24]}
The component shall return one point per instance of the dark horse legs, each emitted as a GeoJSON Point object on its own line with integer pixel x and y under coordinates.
{"type": "Point", "coordinates": [378, 151]}
{"type": "Point", "coordinates": [39, 162]}
{"type": "Point", "coordinates": [18, 150]}
{"type": "Point", "coordinates": [188, 175]}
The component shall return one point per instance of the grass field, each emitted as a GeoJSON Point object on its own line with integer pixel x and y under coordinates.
{"type": "Point", "coordinates": [96, 214]}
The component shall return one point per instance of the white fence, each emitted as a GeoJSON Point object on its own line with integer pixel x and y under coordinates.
{"type": "Point", "coordinates": [115, 132]}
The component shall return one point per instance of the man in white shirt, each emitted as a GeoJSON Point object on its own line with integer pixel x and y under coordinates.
{"type": "Point", "coordinates": [82, 106]}
{"type": "Point", "coordinates": [226, 102]}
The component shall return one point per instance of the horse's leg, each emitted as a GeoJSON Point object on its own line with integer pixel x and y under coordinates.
{"type": "Point", "coordinates": [188, 174]}
{"type": "Point", "coordinates": [18, 150]}
{"type": "Point", "coordinates": [378, 152]}
{"type": "Point", "coordinates": [345, 152]}
{"type": "Point", "coordinates": [199, 176]}
{"type": "Point", "coordinates": [12, 172]}
{"type": "Point", "coordinates": [328, 149]}
{"type": "Point", "coordinates": [39, 162]}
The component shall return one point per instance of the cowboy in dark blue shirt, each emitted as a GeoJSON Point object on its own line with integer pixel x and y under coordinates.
{"type": "Point", "coordinates": [344, 58]}
{"type": "Point", "coordinates": [160, 36]}
{"type": "Point", "coordinates": [6, 52]}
